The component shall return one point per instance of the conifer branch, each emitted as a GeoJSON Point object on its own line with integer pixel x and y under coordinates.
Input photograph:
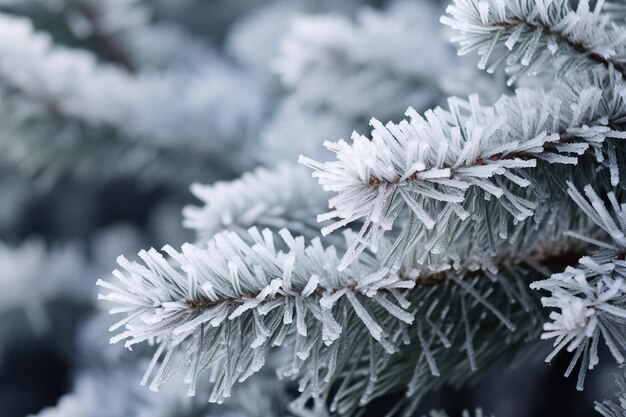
{"type": "Point", "coordinates": [577, 45]}
{"type": "Point", "coordinates": [329, 60]}
{"type": "Point", "coordinates": [591, 297]}
{"type": "Point", "coordinates": [286, 197]}
{"type": "Point", "coordinates": [528, 35]}
{"type": "Point", "coordinates": [254, 297]}
{"type": "Point", "coordinates": [444, 168]}
{"type": "Point", "coordinates": [96, 89]}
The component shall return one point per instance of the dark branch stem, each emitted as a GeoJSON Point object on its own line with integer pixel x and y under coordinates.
{"type": "Point", "coordinates": [375, 182]}
{"type": "Point", "coordinates": [578, 46]}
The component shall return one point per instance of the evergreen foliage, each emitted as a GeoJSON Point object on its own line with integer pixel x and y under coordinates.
{"type": "Point", "coordinates": [483, 213]}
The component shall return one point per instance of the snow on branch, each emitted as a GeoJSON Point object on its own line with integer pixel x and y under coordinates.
{"type": "Point", "coordinates": [231, 301]}
{"type": "Point", "coordinates": [286, 197]}
{"type": "Point", "coordinates": [48, 148]}
{"type": "Point", "coordinates": [221, 307]}
{"type": "Point", "coordinates": [206, 110]}
{"type": "Point", "coordinates": [124, 32]}
{"type": "Point", "coordinates": [102, 20]}
{"type": "Point", "coordinates": [471, 312]}
{"type": "Point", "coordinates": [529, 34]}
{"type": "Point", "coordinates": [450, 165]}
{"type": "Point", "coordinates": [330, 61]}
{"type": "Point", "coordinates": [590, 298]}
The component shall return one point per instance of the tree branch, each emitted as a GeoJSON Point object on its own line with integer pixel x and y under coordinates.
{"type": "Point", "coordinates": [578, 46]}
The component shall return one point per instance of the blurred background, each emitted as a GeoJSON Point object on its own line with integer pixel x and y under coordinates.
{"type": "Point", "coordinates": [111, 109]}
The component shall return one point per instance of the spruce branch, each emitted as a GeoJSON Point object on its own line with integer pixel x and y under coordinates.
{"type": "Point", "coordinates": [461, 331]}
{"type": "Point", "coordinates": [286, 197]}
{"type": "Point", "coordinates": [222, 307]}
{"type": "Point", "coordinates": [75, 125]}
{"type": "Point", "coordinates": [591, 297]}
{"type": "Point", "coordinates": [328, 61]}
{"type": "Point", "coordinates": [47, 148]}
{"type": "Point", "coordinates": [101, 95]}
{"type": "Point", "coordinates": [35, 280]}
{"type": "Point", "coordinates": [251, 297]}
{"type": "Point", "coordinates": [527, 35]}
{"type": "Point", "coordinates": [449, 166]}
{"type": "Point", "coordinates": [126, 33]}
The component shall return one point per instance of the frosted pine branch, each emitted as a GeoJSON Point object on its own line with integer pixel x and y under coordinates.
{"type": "Point", "coordinates": [528, 35]}
{"type": "Point", "coordinates": [449, 165]}
{"type": "Point", "coordinates": [294, 119]}
{"type": "Point", "coordinates": [104, 95]}
{"type": "Point", "coordinates": [124, 32]}
{"type": "Point", "coordinates": [255, 293]}
{"type": "Point", "coordinates": [205, 302]}
{"type": "Point", "coordinates": [329, 61]}
{"type": "Point", "coordinates": [591, 298]}
{"type": "Point", "coordinates": [103, 21]}
{"type": "Point", "coordinates": [465, 311]}
{"type": "Point", "coordinates": [283, 198]}
{"type": "Point", "coordinates": [40, 145]}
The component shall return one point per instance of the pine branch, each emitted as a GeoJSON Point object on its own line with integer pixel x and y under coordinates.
{"type": "Point", "coordinates": [93, 94]}
{"type": "Point", "coordinates": [282, 198]}
{"type": "Point", "coordinates": [451, 165]}
{"type": "Point", "coordinates": [42, 146]}
{"type": "Point", "coordinates": [125, 32]}
{"type": "Point", "coordinates": [528, 35]}
{"type": "Point", "coordinates": [222, 307]}
{"type": "Point", "coordinates": [76, 125]}
{"type": "Point", "coordinates": [255, 289]}
{"type": "Point", "coordinates": [592, 296]}
{"type": "Point", "coordinates": [456, 336]}
{"type": "Point", "coordinates": [328, 61]}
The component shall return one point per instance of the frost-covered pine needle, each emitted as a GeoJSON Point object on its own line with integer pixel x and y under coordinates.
{"type": "Point", "coordinates": [450, 165]}
{"type": "Point", "coordinates": [590, 299]}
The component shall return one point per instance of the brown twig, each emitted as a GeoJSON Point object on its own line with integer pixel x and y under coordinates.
{"type": "Point", "coordinates": [524, 155]}
{"type": "Point", "coordinates": [579, 47]}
